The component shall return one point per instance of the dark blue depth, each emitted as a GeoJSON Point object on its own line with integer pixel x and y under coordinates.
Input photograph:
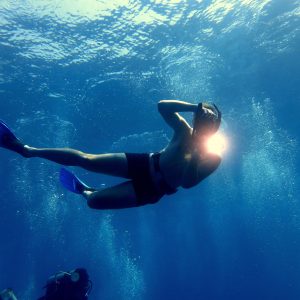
{"type": "Point", "coordinates": [89, 76]}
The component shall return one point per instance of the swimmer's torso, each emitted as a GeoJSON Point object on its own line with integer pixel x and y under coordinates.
{"type": "Point", "coordinates": [177, 167]}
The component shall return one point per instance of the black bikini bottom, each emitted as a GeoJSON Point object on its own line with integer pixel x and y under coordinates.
{"type": "Point", "coordinates": [144, 186]}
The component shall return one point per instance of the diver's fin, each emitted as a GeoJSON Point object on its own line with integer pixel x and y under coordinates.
{"type": "Point", "coordinates": [8, 140]}
{"type": "Point", "coordinates": [71, 182]}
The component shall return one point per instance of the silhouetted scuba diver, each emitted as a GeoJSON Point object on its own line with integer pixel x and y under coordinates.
{"type": "Point", "coordinates": [73, 285]}
{"type": "Point", "coordinates": [184, 162]}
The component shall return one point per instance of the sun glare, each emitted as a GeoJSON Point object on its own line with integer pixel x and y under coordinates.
{"type": "Point", "coordinates": [217, 144]}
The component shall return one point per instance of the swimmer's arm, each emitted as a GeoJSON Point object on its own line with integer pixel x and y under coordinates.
{"type": "Point", "coordinates": [172, 106]}
{"type": "Point", "coordinates": [169, 110]}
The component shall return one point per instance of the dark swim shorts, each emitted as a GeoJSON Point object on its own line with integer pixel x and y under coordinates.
{"type": "Point", "coordinates": [139, 172]}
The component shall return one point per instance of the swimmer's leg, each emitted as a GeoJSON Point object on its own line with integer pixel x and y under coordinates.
{"type": "Point", "coordinates": [119, 196]}
{"type": "Point", "coordinates": [114, 164]}
{"type": "Point", "coordinates": [110, 164]}
{"type": "Point", "coordinates": [116, 197]}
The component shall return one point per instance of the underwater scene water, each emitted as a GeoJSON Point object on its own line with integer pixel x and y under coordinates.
{"type": "Point", "coordinates": [88, 74]}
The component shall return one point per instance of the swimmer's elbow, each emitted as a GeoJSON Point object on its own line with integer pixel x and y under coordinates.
{"type": "Point", "coordinates": [165, 111]}
{"type": "Point", "coordinates": [162, 105]}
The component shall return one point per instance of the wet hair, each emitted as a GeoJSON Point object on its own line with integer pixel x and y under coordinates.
{"type": "Point", "coordinates": [207, 123]}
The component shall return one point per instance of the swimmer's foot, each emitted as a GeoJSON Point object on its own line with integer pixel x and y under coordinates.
{"type": "Point", "coordinates": [9, 141]}
{"type": "Point", "coordinates": [73, 183]}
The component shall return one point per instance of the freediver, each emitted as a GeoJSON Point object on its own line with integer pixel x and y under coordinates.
{"type": "Point", "coordinates": [184, 162]}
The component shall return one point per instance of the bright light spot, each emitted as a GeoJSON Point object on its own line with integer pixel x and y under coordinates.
{"type": "Point", "coordinates": [217, 144]}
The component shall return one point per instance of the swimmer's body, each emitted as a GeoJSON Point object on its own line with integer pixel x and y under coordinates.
{"type": "Point", "coordinates": [184, 162]}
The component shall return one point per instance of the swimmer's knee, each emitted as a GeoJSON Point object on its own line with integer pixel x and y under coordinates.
{"type": "Point", "coordinates": [94, 201]}
{"type": "Point", "coordinates": [91, 198]}
{"type": "Point", "coordinates": [90, 204]}
{"type": "Point", "coordinates": [87, 159]}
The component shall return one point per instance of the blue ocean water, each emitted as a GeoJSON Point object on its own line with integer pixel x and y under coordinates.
{"type": "Point", "coordinates": [88, 74]}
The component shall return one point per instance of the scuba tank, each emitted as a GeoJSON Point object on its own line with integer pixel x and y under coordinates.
{"type": "Point", "coordinates": [73, 285]}
{"type": "Point", "coordinates": [7, 294]}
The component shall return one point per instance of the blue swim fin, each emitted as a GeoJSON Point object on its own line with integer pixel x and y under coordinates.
{"type": "Point", "coordinates": [71, 182]}
{"type": "Point", "coordinates": [6, 136]}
